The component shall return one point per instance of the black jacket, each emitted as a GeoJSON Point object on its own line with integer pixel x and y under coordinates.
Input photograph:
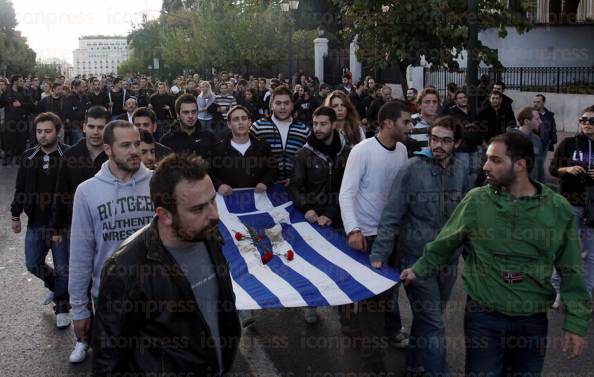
{"type": "Point", "coordinates": [228, 166]}
{"type": "Point", "coordinates": [572, 151]}
{"type": "Point", "coordinates": [493, 123]}
{"type": "Point", "coordinates": [75, 107]}
{"type": "Point", "coordinates": [158, 102]}
{"type": "Point", "coordinates": [161, 151]}
{"type": "Point", "coordinates": [548, 130]}
{"type": "Point", "coordinates": [75, 167]}
{"type": "Point", "coordinates": [26, 183]}
{"type": "Point", "coordinates": [146, 299]}
{"type": "Point", "coordinates": [200, 142]}
{"type": "Point", "coordinates": [53, 105]}
{"type": "Point", "coordinates": [100, 99]}
{"type": "Point", "coordinates": [316, 180]}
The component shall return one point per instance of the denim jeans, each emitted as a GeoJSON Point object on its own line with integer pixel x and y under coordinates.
{"type": "Point", "coordinates": [38, 242]}
{"type": "Point", "coordinates": [498, 345]}
{"type": "Point", "coordinates": [587, 241]}
{"type": "Point", "coordinates": [428, 298]}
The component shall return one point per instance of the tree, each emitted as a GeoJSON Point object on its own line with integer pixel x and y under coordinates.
{"type": "Point", "coordinates": [15, 54]}
{"type": "Point", "coordinates": [399, 32]}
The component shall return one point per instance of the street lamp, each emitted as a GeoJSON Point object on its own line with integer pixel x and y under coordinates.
{"type": "Point", "coordinates": [288, 6]}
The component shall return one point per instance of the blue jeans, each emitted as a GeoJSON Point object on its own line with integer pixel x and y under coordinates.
{"type": "Point", "coordinates": [587, 241]}
{"type": "Point", "coordinates": [428, 298]}
{"type": "Point", "coordinates": [498, 345]}
{"type": "Point", "coordinates": [38, 242]}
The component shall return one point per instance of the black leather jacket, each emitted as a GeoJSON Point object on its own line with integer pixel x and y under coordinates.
{"type": "Point", "coordinates": [316, 180]}
{"type": "Point", "coordinates": [147, 320]}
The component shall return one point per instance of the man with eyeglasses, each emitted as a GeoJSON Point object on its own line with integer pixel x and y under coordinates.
{"type": "Point", "coordinates": [34, 193]}
{"type": "Point", "coordinates": [423, 196]}
{"type": "Point", "coordinates": [573, 163]}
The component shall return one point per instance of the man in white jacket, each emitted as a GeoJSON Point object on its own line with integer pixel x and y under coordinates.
{"type": "Point", "coordinates": [108, 208]}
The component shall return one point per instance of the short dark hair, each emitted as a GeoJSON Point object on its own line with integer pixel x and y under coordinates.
{"type": "Point", "coordinates": [282, 91]}
{"type": "Point", "coordinates": [15, 78]}
{"type": "Point", "coordinates": [116, 80]}
{"type": "Point", "coordinates": [325, 86]}
{"type": "Point", "coordinates": [327, 111]}
{"type": "Point", "coordinates": [172, 170]}
{"type": "Point", "coordinates": [451, 123]}
{"type": "Point", "coordinates": [451, 87]}
{"type": "Point", "coordinates": [56, 85]}
{"type": "Point", "coordinates": [97, 112]}
{"type": "Point", "coordinates": [144, 112]}
{"type": "Point", "coordinates": [497, 93]}
{"type": "Point", "coordinates": [108, 132]}
{"type": "Point", "coordinates": [544, 99]}
{"type": "Point", "coordinates": [235, 108]}
{"type": "Point", "coordinates": [459, 91]}
{"type": "Point", "coordinates": [49, 117]}
{"type": "Point", "coordinates": [589, 109]}
{"type": "Point", "coordinates": [184, 98]}
{"type": "Point", "coordinates": [501, 83]}
{"type": "Point", "coordinates": [146, 137]}
{"type": "Point", "coordinates": [391, 110]}
{"type": "Point", "coordinates": [525, 113]}
{"type": "Point", "coordinates": [519, 147]}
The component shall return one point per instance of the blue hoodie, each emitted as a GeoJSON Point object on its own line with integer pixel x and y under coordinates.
{"type": "Point", "coordinates": [106, 211]}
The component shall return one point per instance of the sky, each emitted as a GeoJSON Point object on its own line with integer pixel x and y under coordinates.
{"type": "Point", "coordinates": [52, 28]}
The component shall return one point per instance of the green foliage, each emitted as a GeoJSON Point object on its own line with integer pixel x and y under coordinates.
{"type": "Point", "coordinates": [398, 32]}
{"type": "Point", "coordinates": [230, 35]}
{"type": "Point", "coordinates": [49, 70]}
{"type": "Point", "coordinates": [15, 54]}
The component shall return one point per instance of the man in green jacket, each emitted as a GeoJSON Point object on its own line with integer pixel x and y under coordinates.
{"type": "Point", "coordinates": [517, 230]}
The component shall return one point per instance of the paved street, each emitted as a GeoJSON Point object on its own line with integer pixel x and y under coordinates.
{"type": "Point", "coordinates": [281, 344]}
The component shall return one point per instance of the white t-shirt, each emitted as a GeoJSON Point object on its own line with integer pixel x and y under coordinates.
{"type": "Point", "coordinates": [368, 176]}
{"type": "Point", "coordinates": [241, 148]}
{"type": "Point", "coordinates": [283, 127]}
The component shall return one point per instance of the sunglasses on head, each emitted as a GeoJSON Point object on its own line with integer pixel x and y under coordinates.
{"type": "Point", "coordinates": [586, 120]}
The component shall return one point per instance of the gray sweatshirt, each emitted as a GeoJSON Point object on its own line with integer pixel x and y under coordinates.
{"type": "Point", "coordinates": [106, 211]}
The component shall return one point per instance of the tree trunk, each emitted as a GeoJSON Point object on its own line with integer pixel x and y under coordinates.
{"type": "Point", "coordinates": [401, 69]}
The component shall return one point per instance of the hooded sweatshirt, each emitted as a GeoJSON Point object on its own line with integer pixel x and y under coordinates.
{"type": "Point", "coordinates": [574, 151]}
{"type": "Point", "coordinates": [106, 211]}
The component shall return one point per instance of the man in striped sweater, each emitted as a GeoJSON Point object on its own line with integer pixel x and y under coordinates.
{"type": "Point", "coordinates": [284, 135]}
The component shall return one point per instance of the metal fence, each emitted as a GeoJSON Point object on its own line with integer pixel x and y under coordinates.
{"type": "Point", "coordinates": [576, 80]}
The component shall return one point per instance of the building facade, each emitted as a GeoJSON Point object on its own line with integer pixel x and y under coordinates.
{"type": "Point", "coordinates": [98, 55]}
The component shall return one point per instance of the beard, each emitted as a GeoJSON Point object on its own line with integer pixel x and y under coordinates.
{"type": "Point", "coordinates": [188, 236]}
{"type": "Point", "coordinates": [125, 165]}
{"type": "Point", "coordinates": [505, 180]}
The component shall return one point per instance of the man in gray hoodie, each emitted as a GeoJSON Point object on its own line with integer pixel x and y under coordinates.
{"type": "Point", "coordinates": [108, 208]}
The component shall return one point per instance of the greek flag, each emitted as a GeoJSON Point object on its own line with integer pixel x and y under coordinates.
{"type": "Point", "coordinates": [321, 271]}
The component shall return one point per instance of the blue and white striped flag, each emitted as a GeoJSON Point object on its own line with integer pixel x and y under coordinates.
{"type": "Point", "coordinates": [324, 271]}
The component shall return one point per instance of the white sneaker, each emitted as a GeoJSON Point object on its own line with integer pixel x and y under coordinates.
{"type": "Point", "coordinates": [79, 354]}
{"type": "Point", "coordinates": [557, 302]}
{"type": "Point", "coordinates": [62, 320]}
{"type": "Point", "coordinates": [48, 299]}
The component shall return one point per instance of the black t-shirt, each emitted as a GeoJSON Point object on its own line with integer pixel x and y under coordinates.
{"type": "Point", "coordinates": [47, 175]}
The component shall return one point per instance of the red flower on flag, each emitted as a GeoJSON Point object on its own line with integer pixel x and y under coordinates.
{"type": "Point", "coordinates": [267, 257]}
{"type": "Point", "coordinates": [238, 236]}
{"type": "Point", "coordinates": [290, 255]}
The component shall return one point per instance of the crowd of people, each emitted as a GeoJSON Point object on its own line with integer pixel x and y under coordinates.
{"type": "Point", "coordinates": [108, 164]}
